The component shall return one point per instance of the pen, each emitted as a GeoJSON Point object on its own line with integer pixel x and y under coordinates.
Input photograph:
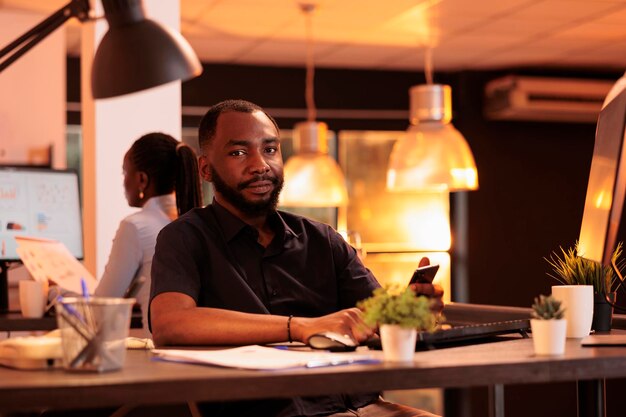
{"type": "Point", "coordinates": [325, 362]}
{"type": "Point", "coordinates": [90, 320]}
{"type": "Point", "coordinates": [70, 309]}
{"type": "Point", "coordinates": [335, 362]}
{"type": "Point", "coordinates": [83, 286]}
{"type": "Point", "coordinates": [76, 325]}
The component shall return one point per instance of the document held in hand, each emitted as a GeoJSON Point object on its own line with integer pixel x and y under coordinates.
{"type": "Point", "coordinates": [48, 259]}
{"type": "Point", "coordinates": [264, 358]}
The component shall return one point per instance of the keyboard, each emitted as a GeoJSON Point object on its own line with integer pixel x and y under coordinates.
{"type": "Point", "coordinates": [466, 334]}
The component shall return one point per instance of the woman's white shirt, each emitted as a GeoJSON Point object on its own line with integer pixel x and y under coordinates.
{"type": "Point", "coordinates": [133, 249]}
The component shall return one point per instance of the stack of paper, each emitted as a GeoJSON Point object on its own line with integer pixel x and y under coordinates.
{"type": "Point", "coordinates": [263, 358]}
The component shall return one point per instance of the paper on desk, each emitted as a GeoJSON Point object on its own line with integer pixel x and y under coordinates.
{"type": "Point", "coordinates": [50, 260]}
{"type": "Point", "coordinates": [263, 358]}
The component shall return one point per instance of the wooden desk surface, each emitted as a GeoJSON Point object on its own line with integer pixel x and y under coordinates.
{"type": "Point", "coordinates": [144, 381]}
{"type": "Point", "coordinates": [14, 322]}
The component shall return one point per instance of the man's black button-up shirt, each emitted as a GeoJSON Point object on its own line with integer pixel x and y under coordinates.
{"type": "Point", "coordinates": [307, 270]}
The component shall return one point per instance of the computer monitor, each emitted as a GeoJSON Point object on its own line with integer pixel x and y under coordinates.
{"type": "Point", "coordinates": [37, 202]}
{"type": "Point", "coordinates": [607, 185]}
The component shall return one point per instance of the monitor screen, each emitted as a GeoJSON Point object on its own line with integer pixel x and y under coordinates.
{"type": "Point", "coordinates": [607, 184]}
{"type": "Point", "coordinates": [39, 203]}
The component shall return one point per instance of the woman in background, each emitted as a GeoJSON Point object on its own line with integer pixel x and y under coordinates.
{"type": "Point", "coordinates": [160, 177]}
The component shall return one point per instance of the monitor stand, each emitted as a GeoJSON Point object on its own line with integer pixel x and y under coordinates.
{"type": "Point", "coordinates": [4, 287]}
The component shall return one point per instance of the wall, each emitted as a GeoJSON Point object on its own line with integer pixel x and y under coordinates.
{"type": "Point", "coordinates": [32, 103]}
{"type": "Point", "coordinates": [32, 96]}
{"type": "Point", "coordinates": [533, 180]}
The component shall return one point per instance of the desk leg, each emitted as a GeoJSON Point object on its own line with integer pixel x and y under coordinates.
{"type": "Point", "coordinates": [457, 402]}
{"type": "Point", "coordinates": [591, 398]}
{"type": "Point", "coordinates": [496, 400]}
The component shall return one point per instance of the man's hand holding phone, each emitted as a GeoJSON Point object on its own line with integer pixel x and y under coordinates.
{"type": "Point", "coordinates": [421, 283]}
{"type": "Point", "coordinates": [424, 274]}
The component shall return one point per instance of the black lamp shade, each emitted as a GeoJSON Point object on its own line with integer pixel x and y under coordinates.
{"type": "Point", "coordinates": [138, 53]}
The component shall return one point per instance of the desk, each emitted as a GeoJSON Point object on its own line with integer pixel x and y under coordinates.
{"type": "Point", "coordinates": [13, 321]}
{"type": "Point", "coordinates": [143, 381]}
{"type": "Point", "coordinates": [458, 313]}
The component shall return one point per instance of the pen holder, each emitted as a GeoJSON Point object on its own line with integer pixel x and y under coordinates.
{"type": "Point", "coordinates": [93, 332]}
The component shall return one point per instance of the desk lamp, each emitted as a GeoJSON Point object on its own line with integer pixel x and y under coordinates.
{"type": "Point", "coordinates": [136, 53]}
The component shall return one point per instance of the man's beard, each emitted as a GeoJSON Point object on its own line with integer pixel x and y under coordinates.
{"type": "Point", "coordinates": [236, 198]}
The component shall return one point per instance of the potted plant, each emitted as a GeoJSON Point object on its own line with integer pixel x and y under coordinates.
{"type": "Point", "coordinates": [548, 326]}
{"type": "Point", "coordinates": [399, 314]}
{"type": "Point", "coordinates": [573, 269]}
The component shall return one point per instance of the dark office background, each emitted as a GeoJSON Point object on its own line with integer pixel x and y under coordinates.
{"type": "Point", "coordinates": [533, 179]}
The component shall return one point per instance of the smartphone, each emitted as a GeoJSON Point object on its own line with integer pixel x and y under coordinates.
{"type": "Point", "coordinates": [424, 274]}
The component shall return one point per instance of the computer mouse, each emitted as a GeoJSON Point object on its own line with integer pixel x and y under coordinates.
{"type": "Point", "coordinates": [332, 341]}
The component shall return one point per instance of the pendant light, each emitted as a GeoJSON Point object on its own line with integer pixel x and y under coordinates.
{"type": "Point", "coordinates": [432, 155]}
{"type": "Point", "coordinates": [312, 177]}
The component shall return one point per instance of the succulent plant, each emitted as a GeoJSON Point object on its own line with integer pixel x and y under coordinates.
{"type": "Point", "coordinates": [547, 308]}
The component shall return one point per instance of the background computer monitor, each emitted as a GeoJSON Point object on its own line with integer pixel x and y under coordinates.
{"type": "Point", "coordinates": [38, 203]}
{"type": "Point", "coordinates": [607, 185]}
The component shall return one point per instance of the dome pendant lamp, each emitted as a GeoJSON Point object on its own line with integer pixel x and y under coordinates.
{"type": "Point", "coordinates": [432, 155]}
{"type": "Point", "coordinates": [312, 177]}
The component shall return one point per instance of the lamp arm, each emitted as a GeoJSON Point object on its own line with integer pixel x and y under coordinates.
{"type": "Point", "coordinates": [75, 8]}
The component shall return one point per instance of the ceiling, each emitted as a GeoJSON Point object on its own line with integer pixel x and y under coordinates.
{"type": "Point", "coordinates": [393, 34]}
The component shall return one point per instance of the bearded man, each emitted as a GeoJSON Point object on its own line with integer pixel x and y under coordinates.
{"type": "Point", "coordinates": [240, 272]}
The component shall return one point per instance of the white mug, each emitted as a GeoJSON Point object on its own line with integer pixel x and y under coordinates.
{"type": "Point", "coordinates": [33, 297]}
{"type": "Point", "coordinates": [578, 303]}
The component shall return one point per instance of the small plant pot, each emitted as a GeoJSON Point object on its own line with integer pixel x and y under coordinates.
{"type": "Point", "coordinates": [549, 336]}
{"type": "Point", "coordinates": [398, 343]}
{"type": "Point", "coordinates": [602, 312]}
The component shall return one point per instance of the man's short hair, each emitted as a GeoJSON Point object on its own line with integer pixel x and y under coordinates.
{"type": "Point", "coordinates": [208, 124]}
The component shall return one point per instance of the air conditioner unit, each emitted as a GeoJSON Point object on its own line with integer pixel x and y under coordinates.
{"type": "Point", "coordinates": [545, 99]}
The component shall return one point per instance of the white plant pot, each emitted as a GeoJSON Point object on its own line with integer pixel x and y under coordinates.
{"type": "Point", "coordinates": [549, 336]}
{"type": "Point", "coordinates": [578, 304]}
{"type": "Point", "coordinates": [398, 343]}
